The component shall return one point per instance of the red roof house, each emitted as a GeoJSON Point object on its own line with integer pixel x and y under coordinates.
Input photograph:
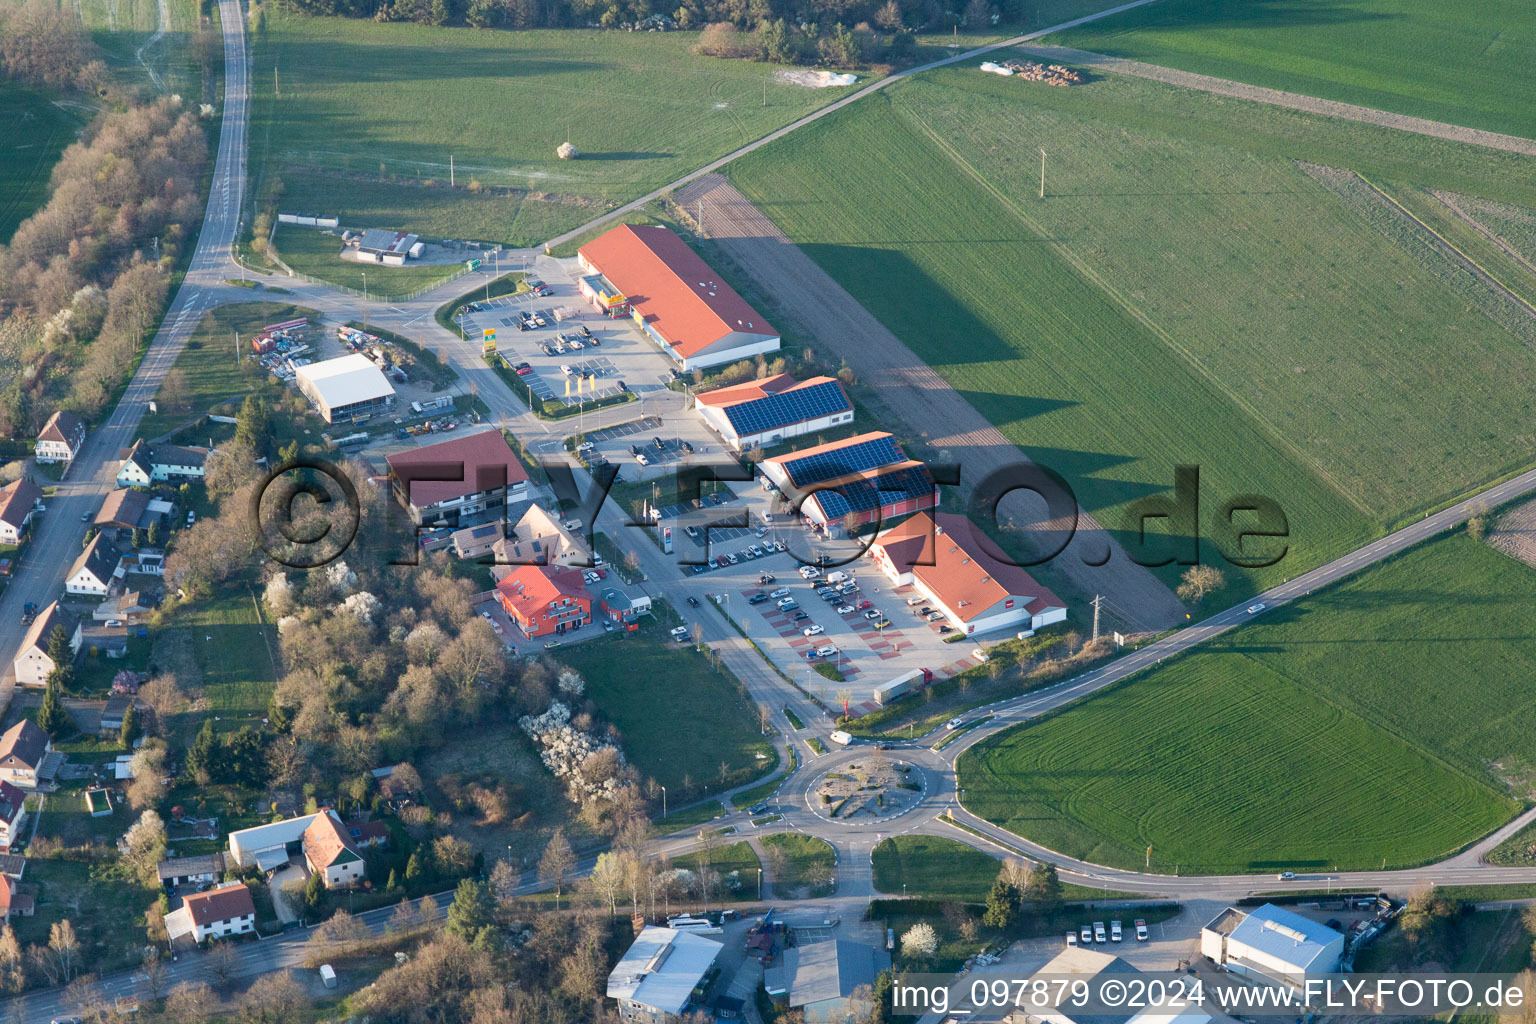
{"type": "Point", "coordinates": [545, 599]}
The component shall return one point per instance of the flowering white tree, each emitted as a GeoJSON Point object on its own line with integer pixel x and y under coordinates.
{"type": "Point", "coordinates": [363, 605]}
{"type": "Point", "coordinates": [570, 683]}
{"type": "Point", "coordinates": [279, 595]}
{"type": "Point", "coordinates": [919, 942]}
{"type": "Point", "coordinates": [567, 751]}
{"type": "Point", "coordinates": [341, 578]}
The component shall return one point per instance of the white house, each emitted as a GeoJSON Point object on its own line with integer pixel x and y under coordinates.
{"type": "Point", "coordinates": [1273, 944]}
{"type": "Point", "coordinates": [457, 481]}
{"type": "Point", "coordinates": [13, 814]}
{"type": "Point", "coordinates": [23, 748]}
{"type": "Point", "coordinates": [268, 846]}
{"type": "Point", "coordinates": [329, 850]}
{"type": "Point", "coordinates": [957, 570]}
{"type": "Point", "coordinates": [215, 914]}
{"type": "Point", "coordinates": [144, 464]}
{"type": "Point", "coordinates": [176, 871]}
{"type": "Point", "coordinates": [33, 665]}
{"type": "Point", "coordinates": [762, 413]}
{"type": "Point", "coordinates": [17, 502]}
{"type": "Point", "coordinates": [654, 979]}
{"type": "Point", "coordinates": [95, 569]}
{"type": "Point", "coordinates": [61, 438]}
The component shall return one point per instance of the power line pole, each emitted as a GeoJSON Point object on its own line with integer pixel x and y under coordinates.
{"type": "Point", "coordinates": [275, 90]}
{"type": "Point", "coordinates": [450, 170]}
{"type": "Point", "coordinates": [1096, 601]}
{"type": "Point", "coordinates": [1042, 173]}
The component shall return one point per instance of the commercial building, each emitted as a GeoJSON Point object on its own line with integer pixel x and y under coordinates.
{"type": "Point", "coordinates": [649, 274]}
{"type": "Point", "coordinates": [215, 914]}
{"type": "Point", "coordinates": [762, 413]}
{"type": "Point", "coordinates": [145, 464]}
{"type": "Point", "coordinates": [854, 482]}
{"type": "Point", "coordinates": [268, 846]}
{"type": "Point", "coordinates": [380, 245]}
{"type": "Point", "coordinates": [962, 573]}
{"type": "Point", "coordinates": [545, 600]}
{"type": "Point", "coordinates": [33, 663]}
{"type": "Point", "coordinates": [653, 981]}
{"type": "Point", "coordinates": [452, 483]}
{"type": "Point", "coordinates": [828, 982]}
{"type": "Point", "coordinates": [18, 502]}
{"type": "Point", "coordinates": [1272, 944]}
{"type": "Point", "coordinates": [346, 388]}
{"type": "Point", "coordinates": [1092, 964]}
{"type": "Point", "coordinates": [24, 750]}
{"type": "Point", "coordinates": [60, 439]}
{"type": "Point", "coordinates": [95, 569]}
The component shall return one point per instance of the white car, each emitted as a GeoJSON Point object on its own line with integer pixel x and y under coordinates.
{"type": "Point", "coordinates": [679, 630]}
{"type": "Point", "coordinates": [781, 592]}
{"type": "Point", "coordinates": [846, 609]}
{"type": "Point", "coordinates": [1071, 938]}
{"type": "Point", "coordinates": [809, 572]}
{"type": "Point", "coordinates": [955, 723]}
{"type": "Point", "coordinates": [1254, 609]}
{"type": "Point", "coordinates": [565, 368]}
{"type": "Point", "coordinates": [979, 654]}
{"type": "Point", "coordinates": [812, 630]}
{"type": "Point", "coordinates": [591, 577]}
{"type": "Point", "coordinates": [1114, 931]}
{"type": "Point", "coordinates": [1099, 934]}
{"type": "Point", "coordinates": [826, 651]}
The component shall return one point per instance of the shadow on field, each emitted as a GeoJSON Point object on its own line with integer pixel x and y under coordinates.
{"type": "Point", "coordinates": [626, 156]}
{"type": "Point", "coordinates": [1244, 14]}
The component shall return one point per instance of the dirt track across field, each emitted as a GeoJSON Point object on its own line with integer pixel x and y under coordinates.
{"type": "Point", "coordinates": [1514, 533]}
{"type": "Point", "coordinates": [904, 385]}
{"type": "Point", "coordinates": [1278, 98]}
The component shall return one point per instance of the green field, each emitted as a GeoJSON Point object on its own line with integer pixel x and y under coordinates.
{"type": "Point", "coordinates": [368, 116]}
{"type": "Point", "coordinates": [1465, 63]}
{"type": "Point", "coordinates": [125, 32]}
{"type": "Point", "coordinates": [1119, 328]}
{"type": "Point", "coordinates": [933, 868]}
{"type": "Point", "coordinates": [632, 675]}
{"type": "Point", "coordinates": [808, 866]}
{"type": "Point", "coordinates": [735, 865]}
{"type": "Point", "coordinates": [1386, 718]}
{"type": "Point", "coordinates": [36, 132]}
{"type": "Point", "coordinates": [236, 655]}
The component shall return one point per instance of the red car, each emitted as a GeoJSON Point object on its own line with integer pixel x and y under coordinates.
{"type": "Point", "coordinates": [866, 605]}
{"type": "Point", "coordinates": [523, 369]}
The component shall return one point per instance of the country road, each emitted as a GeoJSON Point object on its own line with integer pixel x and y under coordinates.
{"type": "Point", "coordinates": [58, 542]}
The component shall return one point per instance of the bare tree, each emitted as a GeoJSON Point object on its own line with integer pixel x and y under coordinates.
{"type": "Point", "coordinates": [555, 866]}
{"type": "Point", "coordinates": [153, 968]}
{"type": "Point", "coordinates": [1198, 581]}
{"type": "Point", "coordinates": [273, 999]}
{"type": "Point", "coordinates": [221, 962]}
{"type": "Point", "coordinates": [191, 1001]}
{"type": "Point", "coordinates": [65, 946]}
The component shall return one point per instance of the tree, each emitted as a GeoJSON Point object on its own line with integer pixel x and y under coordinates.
{"type": "Point", "coordinates": [977, 14]}
{"type": "Point", "coordinates": [1198, 581]}
{"type": "Point", "coordinates": [202, 753]}
{"type": "Point", "coordinates": [221, 962]}
{"type": "Point", "coordinates": [65, 946]}
{"type": "Point", "coordinates": [153, 970]}
{"type": "Point", "coordinates": [12, 967]}
{"type": "Point", "coordinates": [145, 845]}
{"type": "Point", "coordinates": [404, 920]}
{"type": "Point", "coordinates": [1044, 889]}
{"type": "Point", "coordinates": [504, 881]}
{"type": "Point", "coordinates": [1477, 522]}
{"type": "Point", "coordinates": [920, 942]}
{"type": "Point", "coordinates": [314, 895]}
{"type": "Point", "coordinates": [51, 717]}
{"type": "Point", "coordinates": [335, 937]}
{"type": "Point", "coordinates": [608, 879]}
{"type": "Point", "coordinates": [556, 863]}
{"type": "Point", "coordinates": [273, 998]}
{"type": "Point", "coordinates": [174, 393]}
{"type": "Point", "coordinates": [472, 911]}
{"type": "Point", "coordinates": [147, 787]}
{"type": "Point", "coordinates": [253, 426]}
{"type": "Point", "coordinates": [1002, 905]}
{"type": "Point", "coordinates": [888, 17]}
{"type": "Point", "coordinates": [773, 42]}
{"type": "Point", "coordinates": [130, 727]}
{"type": "Point", "coordinates": [190, 1001]}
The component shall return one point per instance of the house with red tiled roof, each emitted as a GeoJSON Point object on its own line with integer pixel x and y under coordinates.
{"type": "Point", "coordinates": [13, 902]}
{"type": "Point", "coordinates": [545, 600]}
{"type": "Point", "coordinates": [962, 573]}
{"type": "Point", "coordinates": [648, 273]}
{"type": "Point", "coordinates": [329, 850]}
{"type": "Point", "coordinates": [466, 479]}
{"type": "Point", "coordinates": [60, 439]}
{"type": "Point", "coordinates": [215, 914]}
{"type": "Point", "coordinates": [765, 412]}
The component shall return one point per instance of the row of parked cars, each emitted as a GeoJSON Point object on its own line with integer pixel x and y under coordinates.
{"type": "Point", "coordinates": [1096, 933]}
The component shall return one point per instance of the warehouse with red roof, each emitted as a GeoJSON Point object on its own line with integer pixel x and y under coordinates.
{"type": "Point", "coordinates": [649, 274]}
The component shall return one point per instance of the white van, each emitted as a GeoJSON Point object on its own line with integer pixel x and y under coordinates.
{"type": "Point", "coordinates": [913, 602]}
{"type": "Point", "coordinates": [836, 577]}
{"type": "Point", "coordinates": [1114, 931]}
{"type": "Point", "coordinates": [840, 737]}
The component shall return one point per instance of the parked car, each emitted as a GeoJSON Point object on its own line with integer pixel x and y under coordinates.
{"type": "Point", "coordinates": [1141, 930]}
{"type": "Point", "coordinates": [693, 602]}
{"type": "Point", "coordinates": [865, 605]}
{"type": "Point", "coordinates": [1114, 931]}
{"type": "Point", "coordinates": [826, 650]}
{"type": "Point", "coordinates": [717, 497]}
{"type": "Point", "coordinates": [565, 368]}
{"type": "Point", "coordinates": [623, 387]}
{"type": "Point", "coordinates": [1087, 935]}
{"type": "Point", "coordinates": [1071, 938]}
{"type": "Point", "coordinates": [781, 592]}
{"type": "Point", "coordinates": [1099, 934]}
{"type": "Point", "coordinates": [872, 614]}
{"type": "Point", "coordinates": [692, 531]}
{"type": "Point", "coordinates": [800, 617]}
{"type": "Point", "coordinates": [845, 609]}
{"type": "Point", "coordinates": [813, 630]}
{"type": "Point", "coordinates": [757, 599]}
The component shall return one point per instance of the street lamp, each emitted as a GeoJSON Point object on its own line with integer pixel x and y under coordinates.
{"type": "Point", "coordinates": [663, 801]}
{"type": "Point", "coordinates": [365, 300]}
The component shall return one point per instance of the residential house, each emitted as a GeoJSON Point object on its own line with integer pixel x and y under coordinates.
{"type": "Point", "coordinates": [369, 833]}
{"type": "Point", "coordinates": [94, 571]}
{"type": "Point", "coordinates": [959, 571]}
{"type": "Point", "coordinates": [33, 663]}
{"type": "Point", "coordinates": [13, 902]}
{"type": "Point", "coordinates": [61, 438]}
{"type": "Point", "coordinates": [130, 606]}
{"type": "Point", "coordinates": [23, 749]}
{"type": "Point", "coordinates": [13, 814]}
{"type": "Point", "coordinates": [18, 502]}
{"type": "Point", "coordinates": [268, 846]}
{"type": "Point", "coordinates": [145, 464]}
{"type": "Point", "coordinates": [828, 982]}
{"type": "Point", "coordinates": [123, 511]}
{"type": "Point", "coordinates": [460, 481]}
{"type": "Point", "coordinates": [215, 914]}
{"type": "Point", "coordinates": [653, 981]}
{"type": "Point", "coordinates": [545, 600]}
{"type": "Point", "coordinates": [329, 850]}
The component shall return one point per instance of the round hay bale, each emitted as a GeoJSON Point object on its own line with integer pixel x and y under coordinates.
{"type": "Point", "coordinates": [568, 151]}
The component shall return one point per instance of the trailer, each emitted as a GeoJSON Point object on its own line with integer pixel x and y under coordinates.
{"type": "Point", "coordinates": [902, 685]}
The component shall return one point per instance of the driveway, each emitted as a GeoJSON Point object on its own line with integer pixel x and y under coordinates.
{"type": "Point", "coordinates": [289, 874]}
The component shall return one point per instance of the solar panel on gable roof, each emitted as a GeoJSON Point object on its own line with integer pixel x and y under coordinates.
{"type": "Point", "coordinates": [867, 494]}
{"type": "Point", "coordinates": [786, 407]}
{"type": "Point", "coordinates": [858, 458]}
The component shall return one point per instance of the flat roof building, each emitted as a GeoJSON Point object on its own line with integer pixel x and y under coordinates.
{"type": "Point", "coordinates": [458, 481]}
{"type": "Point", "coordinates": [651, 275]}
{"type": "Point", "coordinates": [346, 388]}
{"type": "Point", "coordinates": [1272, 943]}
{"type": "Point", "coordinates": [653, 981]}
{"type": "Point", "coordinates": [964, 575]}
{"type": "Point", "coordinates": [766, 412]}
{"type": "Point", "coordinates": [828, 982]}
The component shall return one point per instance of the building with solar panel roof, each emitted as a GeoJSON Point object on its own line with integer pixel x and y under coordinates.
{"type": "Point", "coordinates": [867, 476]}
{"type": "Point", "coordinates": [762, 413]}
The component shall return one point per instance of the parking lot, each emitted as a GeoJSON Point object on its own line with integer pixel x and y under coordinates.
{"type": "Point", "coordinates": [615, 352]}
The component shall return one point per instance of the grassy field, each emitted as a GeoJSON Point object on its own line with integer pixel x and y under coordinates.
{"type": "Point", "coordinates": [735, 865]}
{"type": "Point", "coordinates": [1460, 63]}
{"type": "Point", "coordinates": [369, 116]}
{"type": "Point", "coordinates": [236, 653]}
{"type": "Point", "coordinates": [316, 254]}
{"type": "Point", "coordinates": [36, 132]}
{"type": "Point", "coordinates": [933, 868]}
{"type": "Point", "coordinates": [1384, 719]}
{"type": "Point", "coordinates": [1119, 328]}
{"type": "Point", "coordinates": [710, 742]}
{"type": "Point", "coordinates": [806, 867]}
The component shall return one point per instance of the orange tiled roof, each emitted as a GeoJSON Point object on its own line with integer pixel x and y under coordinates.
{"type": "Point", "coordinates": [960, 565]}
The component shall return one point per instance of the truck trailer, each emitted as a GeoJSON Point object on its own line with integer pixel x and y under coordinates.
{"type": "Point", "coordinates": [902, 685]}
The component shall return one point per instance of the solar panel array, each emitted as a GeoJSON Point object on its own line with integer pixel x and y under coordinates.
{"type": "Point", "coordinates": [857, 458]}
{"type": "Point", "coordinates": [914, 482]}
{"type": "Point", "coordinates": [787, 407]}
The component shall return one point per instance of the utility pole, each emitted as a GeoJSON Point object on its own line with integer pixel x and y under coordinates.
{"type": "Point", "coordinates": [450, 170]}
{"type": "Point", "coordinates": [765, 90]}
{"type": "Point", "coordinates": [1097, 599]}
{"type": "Point", "coordinates": [1042, 173]}
{"type": "Point", "coordinates": [237, 348]}
{"type": "Point", "coordinates": [275, 90]}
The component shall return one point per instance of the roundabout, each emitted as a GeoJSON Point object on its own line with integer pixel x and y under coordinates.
{"type": "Point", "coordinates": [868, 786]}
